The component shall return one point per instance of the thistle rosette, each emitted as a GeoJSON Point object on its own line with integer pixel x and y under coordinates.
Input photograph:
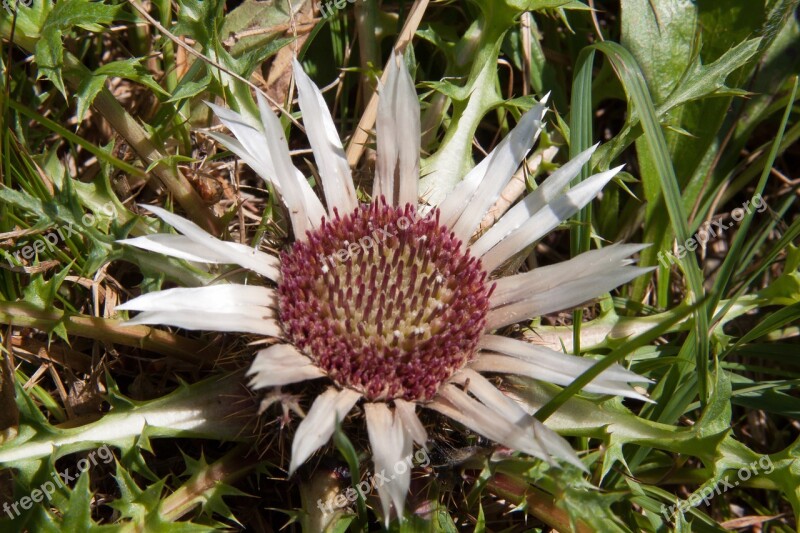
{"type": "Point", "coordinates": [393, 303]}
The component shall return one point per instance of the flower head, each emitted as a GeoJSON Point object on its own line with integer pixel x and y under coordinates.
{"type": "Point", "coordinates": [386, 303]}
{"type": "Point", "coordinates": [391, 306]}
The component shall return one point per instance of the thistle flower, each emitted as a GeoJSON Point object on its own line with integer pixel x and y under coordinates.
{"type": "Point", "coordinates": [390, 306]}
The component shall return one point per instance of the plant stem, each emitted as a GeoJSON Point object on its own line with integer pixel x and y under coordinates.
{"type": "Point", "coordinates": [540, 504]}
{"type": "Point", "coordinates": [107, 330]}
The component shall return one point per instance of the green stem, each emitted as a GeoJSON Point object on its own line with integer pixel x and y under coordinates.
{"type": "Point", "coordinates": [696, 476]}
{"type": "Point", "coordinates": [369, 51]}
{"type": "Point", "coordinates": [602, 331]}
{"type": "Point", "coordinates": [539, 503]}
{"type": "Point", "coordinates": [167, 48]}
{"type": "Point", "coordinates": [190, 411]}
{"type": "Point", "coordinates": [233, 466]}
{"type": "Point", "coordinates": [107, 330]}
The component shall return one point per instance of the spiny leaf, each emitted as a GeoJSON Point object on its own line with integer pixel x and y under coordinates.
{"type": "Point", "coordinates": [703, 81]}
{"type": "Point", "coordinates": [77, 517]}
{"type": "Point", "coordinates": [65, 15]}
{"type": "Point", "coordinates": [130, 69]}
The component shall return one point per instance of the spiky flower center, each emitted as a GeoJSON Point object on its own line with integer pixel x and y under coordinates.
{"type": "Point", "coordinates": [386, 302]}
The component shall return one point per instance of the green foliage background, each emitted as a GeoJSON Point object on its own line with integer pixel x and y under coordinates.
{"type": "Point", "coordinates": [697, 97]}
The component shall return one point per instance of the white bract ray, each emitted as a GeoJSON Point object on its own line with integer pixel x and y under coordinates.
{"type": "Point", "coordinates": [398, 137]}
{"type": "Point", "coordinates": [566, 374]}
{"type": "Point", "coordinates": [217, 251]}
{"type": "Point", "coordinates": [505, 160]}
{"type": "Point", "coordinates": [210, 321]}
{"type": "Point", "coordinates": [337, 182]}
{"type": "Point", "coordinates": [532, 203]}
{"type": "Point", "coordinates": [281, 364]}
{"type": "Point", "coordinates": [547, 218]}
{"type": "Point", "coordinates": [594, 263]}
{"type": "Point", "coordinates": [564, 296]}
{"type": "Point", "coordinates": [241, 308]}
{"type": "Point", "coordinates": [263, 147]}
{"type": "Point", "coordinates": [511, 356]}
{"type": "Point", "coordinates": [391, 447]}
{"type": "Point", "coordinates": [225, 296]}
{"type": "Point", "coordinates": [407, 412]}
{"type": "Point", "coordinates": [285, 172]}
{"type": "Point", "coordinates": [320, 422]}
{"type": "Point", "coordinates": [454, 203]}
{"type": "Point", "coordinates": [458, 405]}
{"type": "Point", "coordinates": [550, 443]}
{"type": "Point", "coordinates": [547, 358]}
{"type": "Point", "coordinates": [465, 207]}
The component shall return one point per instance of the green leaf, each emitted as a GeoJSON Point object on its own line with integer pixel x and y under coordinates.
{"type": "Point", "coordinates": [471, 101]}
{"type": "Point", "coordinates": [211, 499]}
{"type": "Point", "coordinates": [480, 522]}
{"type": "Point", "coordinates": [253, 26]}
{"type": "Point", "coordinates": [703, 81]}
{"type": "Point", "coordinates": [78, 515]}
{"type": "Point", "coordinates": [65, 15]}
{"type": "Point", "coordinates": [188, 87]}
{"type": "Point", "coordinates": [49, 54]}
{"type": "Point", "coordinates": [87, 14]}
{"type": "Point", "coordinates": [587, 504]}
{"type": "Point", "coordinates": [130, 69]}
{"type": "Point", "coordinates": [170, 160]}
{"type": "Point", "coordinates": [101, 154]}
{"type": "Point", "coordinates": [198, 19]}
{"type": "Point", "coordinates": [42, 294]}
{"type": "Point", "coordinates": [765, 395]}
{"type": "Point", "coordinates": [774, 321]}
{"type": "Point", "coordinates": [197, 406]}
{"type": "Point", "coordinates": [737, 245]}
{"type": "Point", "coordinates": [659, 34]}
{"type": "Point", "coordinates": [350, 455]}
{"type": "Point", "coordinates": [130, 503]}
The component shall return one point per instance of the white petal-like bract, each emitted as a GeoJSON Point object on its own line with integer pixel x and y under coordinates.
{"type": "Point", "coordinates": [519, 434]}
{"type": "Point", "coordinates": [505, 159]}
{"type": "Point", "coordinates": [337, 182]}
{"type": "Point", "coordinates": [593, 264]}
{"type": "Point", "coordinates": [547, 218]}
{"type": "Point", "coordinates": [532, 203]}
{"type": "Point", "coordinates": [242, 255]}
{"type": "Point", "coordinates": [564, 296]}
{"type": "Point", "coordinates": [320, 422]}
{"type": "Point", "coordinates": [391, 455]}
{"type": "Point", "coordinates": [281, 364]}
{"type": "Point", "coordinates": [398, 137]}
